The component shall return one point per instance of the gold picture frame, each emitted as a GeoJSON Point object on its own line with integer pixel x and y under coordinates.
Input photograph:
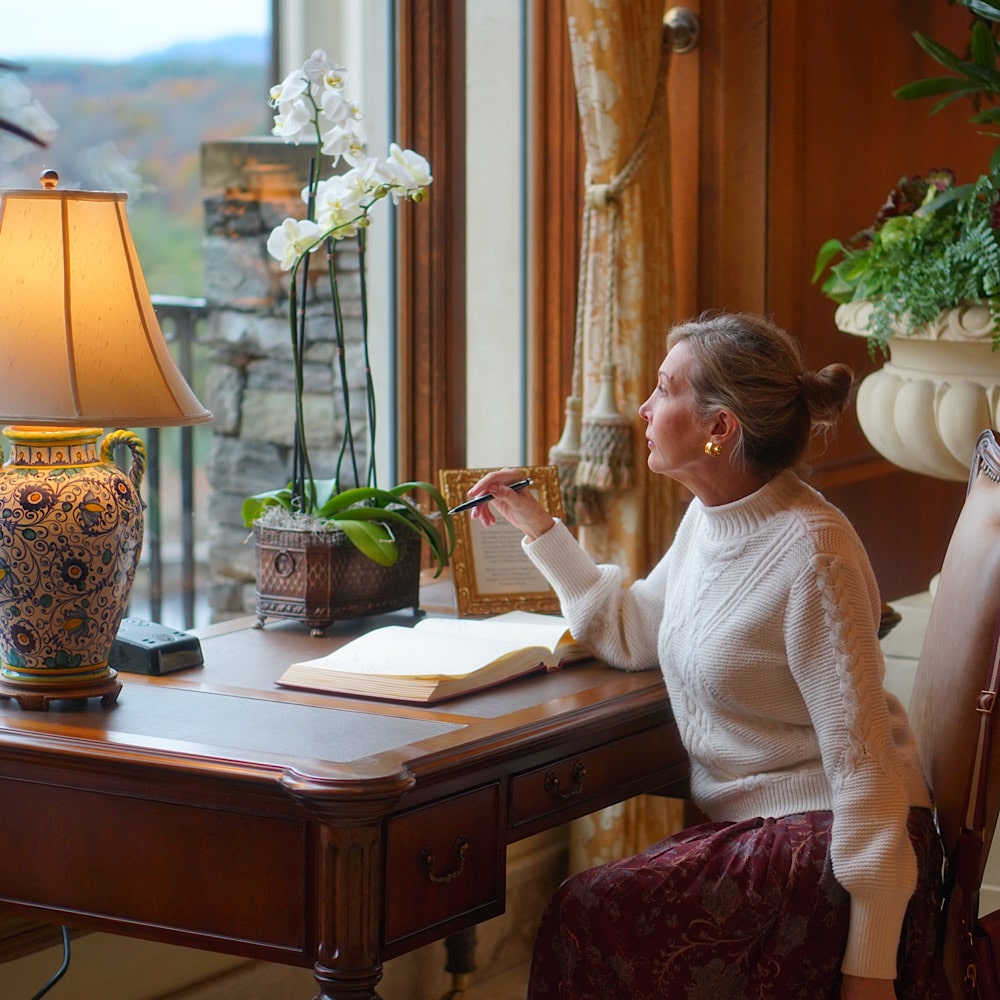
{"type": "Point", "coordinates": [490, 571]}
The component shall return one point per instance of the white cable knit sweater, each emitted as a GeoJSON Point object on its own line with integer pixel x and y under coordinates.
{"type": "Point", "coordinates": [763, 616]}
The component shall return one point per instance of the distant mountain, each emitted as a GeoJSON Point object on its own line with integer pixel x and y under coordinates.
{"type": "Point", "coordinates": [242, 50]}
{"type": "Point", "coordinates": [138, 126]}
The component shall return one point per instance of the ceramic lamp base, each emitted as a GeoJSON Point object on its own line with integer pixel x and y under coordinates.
{"type": "Point", "coordinates": [70, 536]}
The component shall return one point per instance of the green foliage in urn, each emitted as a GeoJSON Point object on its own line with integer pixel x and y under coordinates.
{"type": "Point", "coordinates": [934, 244]}
{"type": "Point", "coordinates": [312, 107]}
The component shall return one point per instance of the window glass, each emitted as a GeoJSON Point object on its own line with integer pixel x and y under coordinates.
{"type": "Point", "coordinates": [127, 92]}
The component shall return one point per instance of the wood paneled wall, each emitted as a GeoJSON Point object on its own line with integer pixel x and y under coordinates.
{"type": "Point", "coordinates": [785, 132]}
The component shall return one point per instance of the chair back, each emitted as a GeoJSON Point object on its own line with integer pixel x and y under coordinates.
{"type": "Point", "coordinates": [955, 660]}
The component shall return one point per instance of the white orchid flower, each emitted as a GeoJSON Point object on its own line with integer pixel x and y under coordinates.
{"type": "Point", "coordinates": [358, 184]}
{"type": "Point", "coordinates": [294, 237]}
{"type": "Point", "coordinates": [364, 176]}
{"type": "Point", "coordinates": [338, 194]}
{"type": "Point", "coordinates": [339, 225]}
{"type": "Point", "coordinates": [318, 66]}
{"type": "Point", "coordinates": [339, 204]}
{"type": "Point", "coordinates": [334, 107]}
{"type": "Point", "coordinates": [356, 153]}
{"type": "Point", "coordinates": [405, 172]}
{"type": "Point", "coordinates": [294, 122]}
{"type": "Point", "coordinates": [338, 140]}
{"type": "Point", "coordinates": [293, 86]}
{"type": "Point", "coordinates": [335, 78]}
{"type": "Point", "coordinates": [312, 108]}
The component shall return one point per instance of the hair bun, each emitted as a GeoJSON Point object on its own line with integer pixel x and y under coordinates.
{"type": "Point", "coordinates": [827, 392]}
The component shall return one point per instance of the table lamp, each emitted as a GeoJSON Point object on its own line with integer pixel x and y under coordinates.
{"type": "Point", "coordinates": [80, 350]}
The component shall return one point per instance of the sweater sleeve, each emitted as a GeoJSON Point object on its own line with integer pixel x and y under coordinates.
{"type": "Point", "coordinates": [834, 654]}
{"type": "Point", "coordinates": [619, 624]}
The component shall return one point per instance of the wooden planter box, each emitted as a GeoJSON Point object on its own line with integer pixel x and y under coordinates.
{"type": "Point", "coordinates": [321, 578]}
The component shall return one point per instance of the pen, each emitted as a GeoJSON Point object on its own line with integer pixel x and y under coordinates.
{"type": "Point", "coordinates": [487, 497]}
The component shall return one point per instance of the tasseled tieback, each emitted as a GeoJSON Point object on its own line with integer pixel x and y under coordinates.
{"type": "Point", "coordinates": [606, 438]}
{"type": "Point", "coordinates": [598, 456]}
{"type": "Point", "coordinates": [579, 502]}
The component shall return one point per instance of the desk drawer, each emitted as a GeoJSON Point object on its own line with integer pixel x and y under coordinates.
{"type": "Point", "coordinates": [590, 776]}
{"type": "Point", "coordinates": [443, 861]}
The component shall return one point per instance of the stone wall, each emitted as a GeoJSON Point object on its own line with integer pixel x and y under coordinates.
{"type": "Point", "coordinates": [251, 186]}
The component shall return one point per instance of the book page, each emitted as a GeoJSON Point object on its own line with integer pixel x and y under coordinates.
{"type": "Point", "coordinates": [397, 651]}
{"type": "Point", "coordinates": [515, 628]}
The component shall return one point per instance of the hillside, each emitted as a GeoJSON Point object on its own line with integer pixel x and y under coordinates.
{"type": "Point", "coordinates": [138, 126]}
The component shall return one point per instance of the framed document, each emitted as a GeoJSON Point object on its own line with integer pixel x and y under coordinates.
{"type": "Point", "coordinates": [491, 572]}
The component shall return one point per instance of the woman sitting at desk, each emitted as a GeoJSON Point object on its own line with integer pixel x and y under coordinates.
{"type": "Point", "coordinates": [817, 876]}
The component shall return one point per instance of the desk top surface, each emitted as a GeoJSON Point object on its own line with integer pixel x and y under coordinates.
{"type": "Point", "coordinates": [231, 711]}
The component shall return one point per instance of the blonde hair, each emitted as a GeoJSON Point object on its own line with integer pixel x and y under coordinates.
{"type": "Point", "coordinates": [748, 365]}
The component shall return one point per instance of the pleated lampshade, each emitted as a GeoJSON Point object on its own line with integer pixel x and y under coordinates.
{"type": "Point", "coordinates": [79, 341]}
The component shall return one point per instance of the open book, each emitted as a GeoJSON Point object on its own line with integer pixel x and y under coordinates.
{"type": "Point", "coordinates": [440, 658]}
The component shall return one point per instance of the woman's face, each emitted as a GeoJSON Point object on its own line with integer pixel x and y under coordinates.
{"type": "Point", "coordinates": [675, 433]}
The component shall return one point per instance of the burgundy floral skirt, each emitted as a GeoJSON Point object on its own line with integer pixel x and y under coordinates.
{"type": "Point", "coordinates": [726, 911]}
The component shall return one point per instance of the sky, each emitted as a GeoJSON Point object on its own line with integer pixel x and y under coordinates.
{"type": "Point", "coordinates": [110, 30]}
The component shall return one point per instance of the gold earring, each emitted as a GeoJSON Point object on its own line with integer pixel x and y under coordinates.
{"type": "Point", "coordinates": [713, 448]}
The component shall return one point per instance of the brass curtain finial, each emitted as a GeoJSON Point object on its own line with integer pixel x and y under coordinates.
{"type": "Point", "coordinates": [684, 28]}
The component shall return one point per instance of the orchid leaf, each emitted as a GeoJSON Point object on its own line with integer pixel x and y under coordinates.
{"type": "Point", "coordinates": [325, 490]}
{"type": "Point", "coordinates": [440, 503]}
{"type": "Point", "coordinates": [373, 539]}
{"type": "Point", "coordinates": [352, 497]}
{"type": "Point", "coordinates": [254, 506]}
{"type": "Point", "coordinates": [406, 516]}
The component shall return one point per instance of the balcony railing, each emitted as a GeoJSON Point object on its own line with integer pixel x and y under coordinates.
{"type": "Point", "coordinates": [167, 585]}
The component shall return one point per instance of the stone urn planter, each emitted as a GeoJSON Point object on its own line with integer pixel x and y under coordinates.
{"type": "Point", "coordinates": [924, 409]}
{"type": "Point", "coordinates": [320, 578]}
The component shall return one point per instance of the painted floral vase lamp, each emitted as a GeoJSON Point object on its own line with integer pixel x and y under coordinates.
{"type": "Point", "coordinates": [82, 350]}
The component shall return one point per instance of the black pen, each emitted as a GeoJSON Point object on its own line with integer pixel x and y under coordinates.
{"type": "Point", "coordinates": [487, 497]}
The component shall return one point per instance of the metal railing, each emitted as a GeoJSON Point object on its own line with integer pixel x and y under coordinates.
{"type": "Point", "coordinates": [170, 542]}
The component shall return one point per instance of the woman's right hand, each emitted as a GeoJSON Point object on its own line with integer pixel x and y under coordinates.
{"type": "Point", "coordinates": [519, 507]}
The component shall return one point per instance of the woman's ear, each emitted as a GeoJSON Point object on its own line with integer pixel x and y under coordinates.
{"type": "Point", "coordinates": [724, 427]}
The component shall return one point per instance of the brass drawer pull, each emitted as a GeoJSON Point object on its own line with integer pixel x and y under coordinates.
{"type": "Point", "coordinates": [554, 786]}
{"type": "Point", "coordinates": [428, 862]}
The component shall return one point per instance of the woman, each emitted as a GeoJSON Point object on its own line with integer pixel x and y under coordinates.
{"type": "Point", "coordinates": [820, 866]}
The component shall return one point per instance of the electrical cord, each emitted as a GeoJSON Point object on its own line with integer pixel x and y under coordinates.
{"type": "Point", "coordinates": [61, 971]}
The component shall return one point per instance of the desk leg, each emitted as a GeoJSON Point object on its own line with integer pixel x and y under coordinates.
{"type": "Point", "coordinates": [460, 948]}
{"type": "Point", "coordinates": [348, 966]}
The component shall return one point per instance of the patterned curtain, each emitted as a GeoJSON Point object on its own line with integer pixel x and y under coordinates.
{"type": "Point", "coordinates": [621, 55]}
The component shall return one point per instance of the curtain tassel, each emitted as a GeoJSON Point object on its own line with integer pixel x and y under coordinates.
{"type": "Point", "coordinates": [606, 442]}
{"type": "Point", "coordinates": [579, 502]}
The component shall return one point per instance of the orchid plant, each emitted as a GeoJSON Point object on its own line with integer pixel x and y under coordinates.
{"type": "Point", "coordinates": [312, 107]}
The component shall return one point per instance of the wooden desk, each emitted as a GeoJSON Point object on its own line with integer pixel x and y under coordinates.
{"type": "Point", "coordinates": [211, 809]}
